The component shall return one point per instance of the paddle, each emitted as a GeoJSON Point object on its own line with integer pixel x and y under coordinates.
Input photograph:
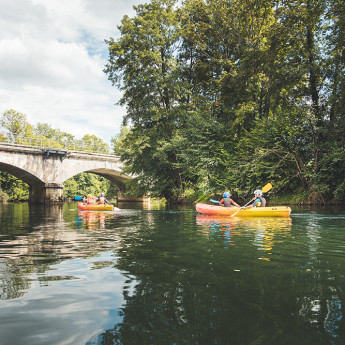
{"type": "Point", "coordinates": [265, 189]}
{"type": "Point", "coordinates": [215, 201]}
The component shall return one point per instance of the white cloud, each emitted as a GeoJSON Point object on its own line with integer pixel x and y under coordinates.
{"type": "Point", "coordinates": [52, 56]}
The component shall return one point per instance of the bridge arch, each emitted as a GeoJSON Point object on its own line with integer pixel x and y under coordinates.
{"type": "Point", "coordinates": [36, 185]}
{"type": "Point", "coordinates": [20, 173]}
{"type": "Point", "coordinates": [110, 174]}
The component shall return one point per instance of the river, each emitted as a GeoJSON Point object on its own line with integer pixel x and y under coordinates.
{"type": "Point", "coordinates": [155, 275]}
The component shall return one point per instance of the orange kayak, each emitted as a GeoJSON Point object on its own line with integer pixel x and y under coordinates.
{"type": "Point", "coordinates": [95, 207]}
{"type": "Point", "coordinates": [214, 210]}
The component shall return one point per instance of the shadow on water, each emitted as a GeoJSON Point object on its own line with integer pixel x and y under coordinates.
{"type": "Point", "coordinates": [170, 276]}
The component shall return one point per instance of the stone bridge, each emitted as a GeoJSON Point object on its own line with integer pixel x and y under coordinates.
{"type": "Point", "coordinates": [46, 169]}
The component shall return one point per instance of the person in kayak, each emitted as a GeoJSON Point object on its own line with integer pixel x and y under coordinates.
{"type": "Point", "coordinates": [227, 201]}
{"type": "Point", "coordinates": [89, 200]}
{"type": "Point", "coordinates": [102, 200]}
{"type": "Point", "coordinates": [258, 200]}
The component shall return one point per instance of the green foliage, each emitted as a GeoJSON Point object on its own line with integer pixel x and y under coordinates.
{"type": "Point", "coordinates": [330, 181]}
{"type": "Point", "coordinates": [86, 183]}
{"type": "Point", "coordinates": [15, 124]}
{"type": "Point", "coordinates": [13, 187]}
{"type": "Point", "coordinates": [144, 65]}
{"type": "Point", "coordinates": [3, 197]}
{"type": "Point", "coordinates": [93, 143]}
{"type": "Point", "coordinates": [232, 95]}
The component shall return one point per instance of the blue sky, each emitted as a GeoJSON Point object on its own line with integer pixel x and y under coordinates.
{"type": "Point", "coordinates": [52, 56]}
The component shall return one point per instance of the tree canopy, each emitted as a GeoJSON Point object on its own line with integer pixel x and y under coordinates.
{"type": "Point", "coordinates": [232, 95]}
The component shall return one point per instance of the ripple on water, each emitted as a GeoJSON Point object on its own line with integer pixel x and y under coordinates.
{"type": "Point", "coordinates": [161, 276]}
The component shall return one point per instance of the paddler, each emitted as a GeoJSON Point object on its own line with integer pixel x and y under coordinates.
{"type": "Point", "coordinates": [102, 200]}
{"type": "Point", "coordinates": [89, 199]}
{"type": "Point", "coordinates": [227, 201]}
{"type": "Point", "coordinates": [258, 200]}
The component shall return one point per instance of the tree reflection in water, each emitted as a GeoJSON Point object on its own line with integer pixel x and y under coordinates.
{"type": "Point", "coordinates": [231, 281]}
{"type": "Point", "coordinates": [189, 279]}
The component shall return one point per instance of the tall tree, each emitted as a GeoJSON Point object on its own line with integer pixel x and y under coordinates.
{"type": "Point", "coordinates": [143, 64]}
{"type": "Point", "coordinates": [16, 124]}
{"type": "Point", "coordinates": [336, 71]}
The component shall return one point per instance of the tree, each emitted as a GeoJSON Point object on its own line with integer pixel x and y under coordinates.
{"type": "Point", "coordinates": [143, 64]}
{"type": "Point", "coordinates": [87, 183]}
{"type": "Point", "coordinates": [232, 94]}
{"type": "Point", "coordinates": [15, 123]}
{"type": "Point", "coordinates": [93, 143]}
{"type": "Point", "coordinates": [336, 69]}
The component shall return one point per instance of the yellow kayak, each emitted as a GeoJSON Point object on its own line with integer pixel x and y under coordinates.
{"type": "Point", "coordinates": [214, 210]}
{"type": "Point", "coordinates": [95, 207]}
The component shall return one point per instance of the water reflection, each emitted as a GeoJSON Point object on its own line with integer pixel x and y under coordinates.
{"type": "Point", "coordinates": [265, 232]}
{"type": "Point", "coordinates": [59, 234]}
{"type": "Point", "coordinates": [93, 220]}
{"type": "Point", "coordinates": [170, 276]}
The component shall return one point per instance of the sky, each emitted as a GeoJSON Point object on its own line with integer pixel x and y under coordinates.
{"type": "Point", "coordinates": [52, 56]}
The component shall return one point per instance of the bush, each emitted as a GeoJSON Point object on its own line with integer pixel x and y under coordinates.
{"type": "Point", "coordinates": [3, 197]}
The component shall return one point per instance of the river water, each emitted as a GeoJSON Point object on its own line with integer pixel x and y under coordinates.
{"type": "Point", "coordinates": [145, 275]}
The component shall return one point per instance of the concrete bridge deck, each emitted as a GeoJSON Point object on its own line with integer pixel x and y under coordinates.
{"type": "Point", "coordinates": [46, 169]}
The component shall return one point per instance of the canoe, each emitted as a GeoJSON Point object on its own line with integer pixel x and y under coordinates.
{"type": "Point", "coordinates": [95, 207]}
{"type": "Point", "coordinates": [214, 210]}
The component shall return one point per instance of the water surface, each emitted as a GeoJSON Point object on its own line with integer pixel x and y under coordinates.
{"type": "Point", "coordinates": [170, 276]}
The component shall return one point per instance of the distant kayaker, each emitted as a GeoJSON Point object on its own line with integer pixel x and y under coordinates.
{"type": "Point", "coordinates": [227, 201]}
{"type": "Point", "coordinates": [258, 200]}
{"type": "Point", "coordinates": [102, 200]}
{"type": "Point", "coordinates": [89, 199]}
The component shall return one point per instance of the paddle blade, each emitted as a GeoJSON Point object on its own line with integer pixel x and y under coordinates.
{"type": "Point", "coordinates": [215, 201]}
{"type": "Point", "coordinates": [266, 188]}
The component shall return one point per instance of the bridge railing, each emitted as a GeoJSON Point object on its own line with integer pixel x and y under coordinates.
{"type": "Point", "coordinates": [72, 145]}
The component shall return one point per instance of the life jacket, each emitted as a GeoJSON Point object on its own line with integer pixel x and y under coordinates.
{"type": "Point", "coordinates": [101, 200]}
{"type": "Point", "coordinates": [262, 202]}
{"type": "Point", "coordinates": [227, 202]}
{"type": "Point", "coordinates": [89, 201]}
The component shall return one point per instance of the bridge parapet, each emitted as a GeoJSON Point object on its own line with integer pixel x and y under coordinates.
{"type": "Point", "coordinates": [11, 147]}
{"type": "Point", "coordinates": [65, 144]}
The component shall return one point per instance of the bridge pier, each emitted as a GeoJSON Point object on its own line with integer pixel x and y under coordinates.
{"type": "Point", "coordinates": [36, 193]}
{"type": "Point", "coordinates": [53, 193]}
{"type": "Point", "coordinates": [122, 197]}
{"type": "Point", "coordinates": [49, 193]}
